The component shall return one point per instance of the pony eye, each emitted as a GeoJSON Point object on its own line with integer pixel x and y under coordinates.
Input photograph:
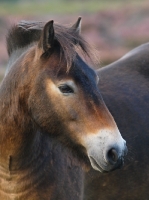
{"type": "Point", "coordinates": [65, 89]}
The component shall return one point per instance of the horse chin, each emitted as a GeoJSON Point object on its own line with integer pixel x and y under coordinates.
{"type": "Point", "coordinates": [96, 166]}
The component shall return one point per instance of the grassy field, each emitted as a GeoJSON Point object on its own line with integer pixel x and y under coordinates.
{"type": "Point", "coordinates": [63, 6]}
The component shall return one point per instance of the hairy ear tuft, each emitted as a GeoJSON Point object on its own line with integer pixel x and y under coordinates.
{"type": "Point", "coordinates": [47, 37]}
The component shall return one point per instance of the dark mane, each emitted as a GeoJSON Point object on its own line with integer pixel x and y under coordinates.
{"type": "Point", "coordinates": [71, 43]}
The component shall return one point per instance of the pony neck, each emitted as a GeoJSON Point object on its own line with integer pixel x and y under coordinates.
{"type": "Point", "coordinates": [18, 132]}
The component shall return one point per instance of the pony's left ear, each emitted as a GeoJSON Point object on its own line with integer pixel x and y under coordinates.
{"type": "Point", "coordinates": [47, 37]}
{"type": "Point", "coordinates": [77, 26]}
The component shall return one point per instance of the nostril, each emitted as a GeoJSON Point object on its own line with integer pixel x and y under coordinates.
{"type": "Point", "coordinates": [112, 156]}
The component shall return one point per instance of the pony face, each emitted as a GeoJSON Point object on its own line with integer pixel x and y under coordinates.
{"type": "Point", "coordinates": [66, 104]}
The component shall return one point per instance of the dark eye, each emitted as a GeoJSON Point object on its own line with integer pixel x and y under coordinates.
{"type": "Point", "coordinates": [66, 89]}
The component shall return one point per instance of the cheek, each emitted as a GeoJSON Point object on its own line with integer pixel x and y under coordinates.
{"type": "Point", "coordinates": [73, 115]}
{"type": "Point", "coordinates": [61, 106]}
{"type": "Point", "coordinates": [72, 111]}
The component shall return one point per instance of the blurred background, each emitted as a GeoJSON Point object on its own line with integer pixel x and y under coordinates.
{"type": "Point", "coordinates": [113, 26]}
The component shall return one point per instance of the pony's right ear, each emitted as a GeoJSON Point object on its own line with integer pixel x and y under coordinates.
{"type": "Point", "coordinates": [47, 37]}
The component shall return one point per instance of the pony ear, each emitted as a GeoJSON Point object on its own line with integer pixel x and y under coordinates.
{"type": "Point", "coordinates": [47, 37]}
{"type": "Point", "coordinates": [77, 26]}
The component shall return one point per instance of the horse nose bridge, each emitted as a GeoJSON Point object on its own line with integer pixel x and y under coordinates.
{"type": "Point", "coordinates": [100, 111]}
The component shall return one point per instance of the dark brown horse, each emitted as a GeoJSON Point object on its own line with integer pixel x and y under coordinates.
{"type": "Point", "coordinates": [49, 101]}
{"type": "Point", "coordinates": [124, 86]}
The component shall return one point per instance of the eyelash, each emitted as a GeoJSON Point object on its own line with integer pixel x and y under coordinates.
{"type": "Point", "coordinates": [66, 89]}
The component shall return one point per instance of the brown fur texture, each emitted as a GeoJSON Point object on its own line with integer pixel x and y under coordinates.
{"type": "Point", "coordinates": [49, 102]}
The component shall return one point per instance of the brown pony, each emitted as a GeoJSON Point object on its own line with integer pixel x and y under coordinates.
{"type": "Point", "coordinates": [49, 101]}
{"type": "Point", "coordinates": [124, 86]}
